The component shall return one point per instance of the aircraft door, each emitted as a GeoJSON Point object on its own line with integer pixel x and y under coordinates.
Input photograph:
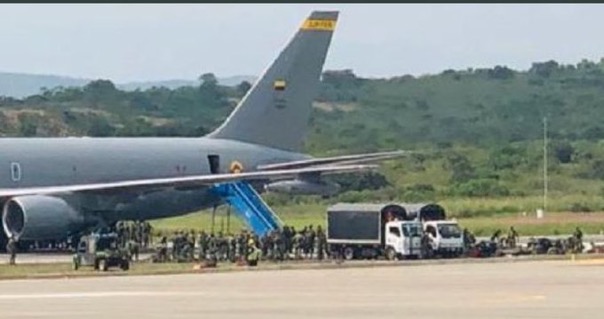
{"type": "Point", "coordinates": [214, 163]}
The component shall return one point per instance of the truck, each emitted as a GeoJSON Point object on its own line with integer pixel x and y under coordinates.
{"type": "Point", "coordinates": [445, 237]}
{"type": "Point", "coordinates": [359, 231]}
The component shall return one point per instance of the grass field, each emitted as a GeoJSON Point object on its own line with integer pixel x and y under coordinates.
{"type": "Point", "coordinates": [496, 214]}
{"type": "Point", "coordinates": [551, 224]}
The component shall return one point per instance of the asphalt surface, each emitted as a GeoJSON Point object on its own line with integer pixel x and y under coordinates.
{"type": "Point", "coordinates": [531, 289]}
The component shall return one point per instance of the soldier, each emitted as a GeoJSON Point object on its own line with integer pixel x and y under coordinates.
{"type": "Point", "coordinates": [426, 247]}
{"type": "Point", "coordinates": [212, 250]}
{"type": "Point", "coordinates": [279, 246]}
{"type": "Point", "coordinates": [146, 234]}
{"type": "Point", "coordinates": [321, 243]}
{"type": "Point", "coordinates": [512, 237]}
{"type": "Point", "coordinates": [133, 250]}
{"type": "Point", "coordinates": [298, 246]}
{"type": "Point", "coordinates": [496, 235]}
{"type": "Point", "coordinates": [287, 239]}
{"type": "Point", "coordinates": [468, 239]}
{"type": "Point", "coordinates": [312, 236]}
{"type": "Point", "coordinates": [11, 249]}
{"type": "Point", "coordinates": [241, 245]}
{"type": "Point", "coordinates": [578, 236]}
{"type": "Point", "coordinates": [202, 242]}
{"type": "Point", "coordinates": [162, 253]}
{"type": "Point", "coordinates": [232, 248]}
{"type": "Point", "coordinates": [253, 253]}
{"type": "Point", "coordinates": [186, 250]}
{"type": "Point", "coordinates": [267, 246]}
{"type": "Point", "coordinates": [119, 228]}
{"type": "Point", "coordinates": [175, 245]}
{"type": "Point", "coordinates": [132, 231]}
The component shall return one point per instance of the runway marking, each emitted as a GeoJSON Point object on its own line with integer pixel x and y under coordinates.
{"type": "Point", "coordinates": [102, 294]}
{"type": "Point", "coordinates": [520, 298]}
{"type": "Point", "coordinates": [46, 314]}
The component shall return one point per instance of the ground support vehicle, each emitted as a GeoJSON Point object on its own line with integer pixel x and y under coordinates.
{"type": "Point", "coordinates": [101, 251]}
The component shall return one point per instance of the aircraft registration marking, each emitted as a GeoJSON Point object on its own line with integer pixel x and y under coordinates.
{"type": "Point", "coordinates": [322, 25]}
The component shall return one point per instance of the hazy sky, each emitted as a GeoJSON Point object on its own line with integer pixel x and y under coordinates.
{"type": "Point", "coordinates": [164, 41]}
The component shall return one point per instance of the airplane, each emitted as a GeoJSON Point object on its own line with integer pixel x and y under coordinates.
{"type": "Point", "coordinates": [50, 187]}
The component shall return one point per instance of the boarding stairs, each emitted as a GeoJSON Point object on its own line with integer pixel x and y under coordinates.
{"type": "Point", "coordinates": [249, 205]}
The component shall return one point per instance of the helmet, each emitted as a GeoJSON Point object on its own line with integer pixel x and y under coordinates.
{"type": "Point", "coordinates": [250, 242]}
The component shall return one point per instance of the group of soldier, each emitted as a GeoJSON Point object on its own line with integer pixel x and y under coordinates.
{"type": "Point", "coordinates": [134, 232]}
{"type": "Point", "coordinates": [499, 243]}
{"type": "Point", "coordinates": [278, 245]}
{"type": "Point", "coordinates": [573, 244]}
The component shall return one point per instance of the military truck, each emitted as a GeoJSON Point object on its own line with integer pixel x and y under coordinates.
{"type": "Point", "coordinates": [356, 231]}
{"type": "Point", "coordinates": [100, 251]}
{"type": "Point", "coordinates": [445, 238]}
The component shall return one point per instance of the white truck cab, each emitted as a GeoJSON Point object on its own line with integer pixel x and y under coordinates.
{"type": "Point", "coordinates": [446, 238]}
{"type": "Point", "coordinates": [403, 239]}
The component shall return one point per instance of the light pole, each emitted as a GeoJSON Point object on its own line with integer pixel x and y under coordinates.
{"type": "Point", "coordinates": [544, 164]}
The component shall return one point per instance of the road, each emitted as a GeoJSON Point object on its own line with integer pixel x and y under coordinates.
{"type": "Point", "coordinates": [66, 257]}
{"type": "Point", "coordinates": [532, 289]}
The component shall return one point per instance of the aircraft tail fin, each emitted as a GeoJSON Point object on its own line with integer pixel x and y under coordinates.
{"type": "Point", "coordinates": [276, 110]}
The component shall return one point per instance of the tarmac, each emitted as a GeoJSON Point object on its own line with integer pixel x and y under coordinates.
{"type": "Point", "coordinates": [528, 289]}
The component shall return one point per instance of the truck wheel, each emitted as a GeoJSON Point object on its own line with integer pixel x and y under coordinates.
{"type": "Point", "coordinates": [348, 253]}
{"type": "Point", "coordinates": [125, 265]}
{"type": "Point", "coordinates": [391, 254]}
{"type": "Point", "coordinates": [103, 265]}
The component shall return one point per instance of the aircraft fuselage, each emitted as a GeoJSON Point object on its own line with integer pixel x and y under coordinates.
{"type": "Point", "coordinates": [36, 162]}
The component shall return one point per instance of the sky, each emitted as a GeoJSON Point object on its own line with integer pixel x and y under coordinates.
{"type": "Point", "coordinates": [151, 42]}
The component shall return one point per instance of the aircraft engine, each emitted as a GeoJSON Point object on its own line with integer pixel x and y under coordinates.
{"type": "Point", "coordinates": [39, 217]}
{"type": "Point", "coordinates": [302, 187]}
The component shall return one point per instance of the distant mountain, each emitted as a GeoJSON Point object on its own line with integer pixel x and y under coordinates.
{"type": "Point", "coordinates": [19, 85]}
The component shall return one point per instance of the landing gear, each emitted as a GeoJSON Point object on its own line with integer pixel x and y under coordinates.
{"type": "Point", "coordinates": [213, 218]}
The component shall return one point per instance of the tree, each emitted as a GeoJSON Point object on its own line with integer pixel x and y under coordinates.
{"type": "Point", "coordinates": [243, 87]}
{"type": "Point", "coordinates": [500, 73]}
{"type": "Point", "coordinates": [460, 167]}
{"type": "Point", "coordinates": [208, 79]}
{"type": "Point", "coordinates": [563, 151]}
{"type": "Point", "coordinates": [507, 157]}
{"type": "Point", "coordinates": [544, 69]}
{"type": "Point", "coordinates": [101, 127]}
{"type": "Point", "coordinates": [100, 90]}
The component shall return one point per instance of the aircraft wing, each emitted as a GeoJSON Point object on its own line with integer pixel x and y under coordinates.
{"type": "Point", "coordinates": [335, 160]}
{"type": "Point", "coordinates": [185, 181]}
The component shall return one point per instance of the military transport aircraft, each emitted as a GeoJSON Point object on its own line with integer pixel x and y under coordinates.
{"type": "Point", "coordinates": [53, 186]}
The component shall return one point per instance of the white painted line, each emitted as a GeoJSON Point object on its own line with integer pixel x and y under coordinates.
{"type": "Point", "coordinates": [102, 294]}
